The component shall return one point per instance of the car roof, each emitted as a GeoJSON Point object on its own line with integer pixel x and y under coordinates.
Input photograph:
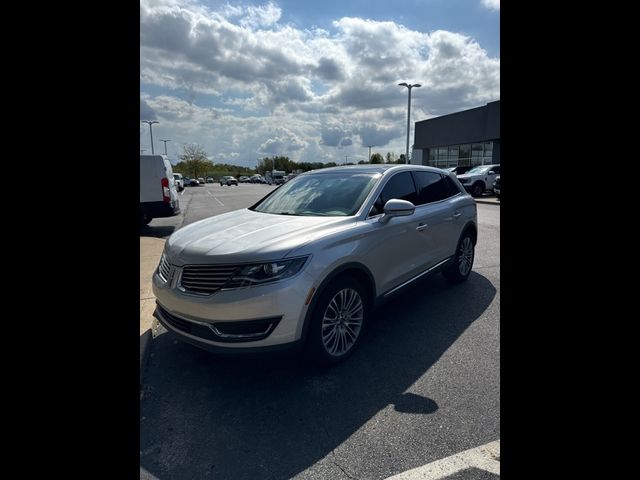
{"type": "Point", "coordinates": [377, 168]}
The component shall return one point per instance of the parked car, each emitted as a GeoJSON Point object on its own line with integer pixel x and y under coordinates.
{"type": "Point", "coordinates": [228, 180]}
{"type": "Point", "coordinates": [177, 177]}
{"type": "Point", "coordinates": [194, 182]}
{"type": "Point", "coordinates": [460, 169]}
{"type": "Point", "coordinates": [496, 187]}
{"type": "Point", "coordinates": [479, 179]}
{"type": "Point", "coordinates": [297, 269]}
{"type": "Point", "coordinates": [210, 180]}
{"type": "Point", "coordinates": [201, 180]}
{"type": "Point", "coordinates": [158, 194]}
{"type": "Point", "coordinates": [243, 179]}
{"type": "Point", "coordinates": [257, 179]}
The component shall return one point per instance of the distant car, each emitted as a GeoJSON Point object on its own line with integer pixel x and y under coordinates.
{"type": "Point", "coordinates": [257, 179]}
{"type": "Point", "coordinates": [479, 179]}
{"type": "Point", "coordinates": [201, 180]}
{"type": "Point", "coordinates": [243, 179]}
{"type": "Point", "coordinates": [194, 182]}
{"type": "Point", "coordinates": [228, 180]}
{"type": "Point", "coordinates": [496, 187]}
{"type": "Point", "coordinates": [210, 180]}
{"type": "Point", "coordinates": [460, 169]}
{"type": "Point", "coordinates": [179, 181]}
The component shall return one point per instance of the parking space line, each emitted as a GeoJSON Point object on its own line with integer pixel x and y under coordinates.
{"type": "Point", "coordinates": [217, 200]}
{"type": "Point", "coordinates": [486, 457]}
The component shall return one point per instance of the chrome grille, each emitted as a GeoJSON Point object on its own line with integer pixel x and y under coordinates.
{"type": "Point", "coordinates": [164, 269]}
{"type": "Point", "coordinates": [206, 279]}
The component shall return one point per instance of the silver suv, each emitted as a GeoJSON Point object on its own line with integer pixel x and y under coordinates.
{"type": "Point", "coordinates": [308, 263]}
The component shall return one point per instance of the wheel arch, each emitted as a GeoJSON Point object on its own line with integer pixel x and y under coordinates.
{"type": "Point", "coordinates": [353, 269]}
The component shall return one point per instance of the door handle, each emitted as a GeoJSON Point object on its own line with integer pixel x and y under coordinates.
{"type": "Point", "coordinates": [421, 226]}
{"type": "Point", "coordinates": [456, 214]}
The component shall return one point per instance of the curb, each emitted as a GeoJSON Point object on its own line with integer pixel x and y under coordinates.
{"type": "Point", "coordinates": [145, 347]}
{"type": "Point", "coordinates": [487, 201]}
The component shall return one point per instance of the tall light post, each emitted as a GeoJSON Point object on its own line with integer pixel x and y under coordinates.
{"type": "Point", "coordinates": [165, 145]}
{"type": "Point", "coordinates": [417, 85]}
{"type": "Point", "coordinates": [370, 151]}
{"type": "Point", "coordinates": [151, 132]}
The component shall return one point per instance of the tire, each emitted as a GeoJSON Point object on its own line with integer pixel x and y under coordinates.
{"type": "Point", "coordinates": [337, 347]}
{"type": "Point", "coordinates": [462, 264]}
{"type": "Point", "coordinates": [144, 218]}
{"type": "Point", "coordinates": [477, 189]}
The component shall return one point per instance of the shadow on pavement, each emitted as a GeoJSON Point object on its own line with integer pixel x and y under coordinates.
{"type": "Point", "coordinates": [158, 232]}
{"type": "Point", "coordinates": [275, 416]}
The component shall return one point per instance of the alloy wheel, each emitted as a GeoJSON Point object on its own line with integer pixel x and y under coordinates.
{"type": "Point", "coordinates": [465, 256]}
{"type": "Point", "coordinates": [342, 322]}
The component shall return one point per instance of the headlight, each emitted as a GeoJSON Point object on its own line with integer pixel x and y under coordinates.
{"type": "Point", "coordinates": [268, 272]}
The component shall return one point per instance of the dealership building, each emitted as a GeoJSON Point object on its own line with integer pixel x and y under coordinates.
{"type": "Point", "coordinates": [470, 137]}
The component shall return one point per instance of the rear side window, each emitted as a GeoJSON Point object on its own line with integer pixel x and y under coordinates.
{"type": "Point", "coordinates": [433, 187]}
{"type": "Point", "coordinates": [400, 186]}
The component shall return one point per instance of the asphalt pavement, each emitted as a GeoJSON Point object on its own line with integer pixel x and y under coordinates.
{"type": "Point", "coordinates": [423, 385]}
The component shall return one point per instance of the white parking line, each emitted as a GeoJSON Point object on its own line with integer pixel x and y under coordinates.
{"type": "Point", "coordinates": [216, 199]}
{"type": "Point", "coordinates": [483, 458]}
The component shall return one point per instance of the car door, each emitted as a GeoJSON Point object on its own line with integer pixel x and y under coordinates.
{"type": "Point", "coordinates": [437, 212]}
{"type": "Point", "coordinates": [493, 176]}
{"type": "Point", "coordinates": [394, 249]}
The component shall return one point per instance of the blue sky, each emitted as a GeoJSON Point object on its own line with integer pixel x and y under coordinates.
{"type": "Point", "coordinates": [313, 80]}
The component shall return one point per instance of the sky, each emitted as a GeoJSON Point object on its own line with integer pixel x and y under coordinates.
{"type": "Point", "coordinates": [316, 81]}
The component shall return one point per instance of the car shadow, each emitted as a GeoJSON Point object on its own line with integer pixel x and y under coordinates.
{"type": "Point", "coordinates": [157, 232]}
{"type": "Point", "coordinates": [275, 416]}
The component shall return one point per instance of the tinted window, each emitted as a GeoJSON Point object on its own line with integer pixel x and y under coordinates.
{"type": "Point", "coordinates": [399, 186]}
{"type": "Point", "coordinates": [496, 169]}
{"type": "Point", "coordinates": [451, 187]}
{"type": "Point", "coordinates": [431, 187]}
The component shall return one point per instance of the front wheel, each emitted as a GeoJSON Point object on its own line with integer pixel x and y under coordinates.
{"type": "Point", "coordinates": [460, 269]}
{"type": "Point", "coordinates": [337, 321]}
{"type": "Point", "coordinates": [477, 189]}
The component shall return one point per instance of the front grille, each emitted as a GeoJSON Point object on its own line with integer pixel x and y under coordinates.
{"type": "Point", "coordinates": [230, 332]}
{"type": "Point", "coordinates": [206, 279]}
{"type": "Point", "coordinates": [164, 269]}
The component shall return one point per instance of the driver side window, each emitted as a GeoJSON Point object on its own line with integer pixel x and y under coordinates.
{"type": "Point", "coordinates": [399, 186]}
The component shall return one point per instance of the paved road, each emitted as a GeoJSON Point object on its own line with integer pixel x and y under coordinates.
{"type": "Point", "coordinates": [423, 385]}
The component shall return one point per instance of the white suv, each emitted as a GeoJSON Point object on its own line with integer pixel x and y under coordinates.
{"type": "Point", "coordinates": [307, 264]}
{"type": "Point", "coordinates": [479, 179]}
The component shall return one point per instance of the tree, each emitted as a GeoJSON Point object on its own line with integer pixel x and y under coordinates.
{"type": "Point", "coordinates": [401, 159]}
{"type": "Point", "coordinates": [391, 157]}
{"type": "Point", "coordinates": [377, 158]}
{"type": "Point", "coordinates": [194, 161]}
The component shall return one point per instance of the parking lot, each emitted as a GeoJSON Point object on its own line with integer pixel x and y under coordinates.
{"type": "Point", "coordinates": [423, 385]}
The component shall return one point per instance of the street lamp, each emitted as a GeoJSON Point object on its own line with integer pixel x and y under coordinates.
{"type": "Point", "coordinates": [370, 151]}
{"type": "Point", "coordinates": [151, 132]}
{"type": "Point", "coordinates": [417, 85]}
{"type": "Point", "coordinates": [165, 145]}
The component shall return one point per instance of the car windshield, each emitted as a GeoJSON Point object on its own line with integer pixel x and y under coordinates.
{"type": "Point", "coordinates": [479, 170]}
{"type": "Point", "coordinates": [322, 194]}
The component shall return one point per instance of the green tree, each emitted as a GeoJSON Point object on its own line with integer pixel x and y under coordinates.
{"type": "Point", "coordinates": [391, 157]}
{"type": "Point", "coordinates": [377, 158]}
{"type": "Point", "coordinates": [193, 161]}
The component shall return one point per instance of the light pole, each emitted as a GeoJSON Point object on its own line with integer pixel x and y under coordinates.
{"type": "Point", "coordinates": [370, 151]}
{"type": "Point", "coordinates": [165, 145]}
{"type": "Point", "coordinates": [151, 132]}
{"type": "Point", "coordinates": [417, 85]}
{"type": "Point", "coordinates": [142, 151]}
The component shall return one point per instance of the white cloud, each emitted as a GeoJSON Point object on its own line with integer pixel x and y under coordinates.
{"type": "Point", "coordinates": [310, 94]}
{"type": "Point", "coordinates": [491, 4]}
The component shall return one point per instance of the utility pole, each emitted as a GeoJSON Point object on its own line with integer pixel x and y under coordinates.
{"type": "Point", "coordinates": [409, 87]}
{"type": "Point", "coordinates": [345, 159]}
{"type": "Point", "coordinates": [370, 152]}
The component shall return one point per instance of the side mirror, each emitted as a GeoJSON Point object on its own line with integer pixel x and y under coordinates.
{"type": "Point", "coordinates": [397, 208]}
{"type": "Point", "coordinates": [491, 172]}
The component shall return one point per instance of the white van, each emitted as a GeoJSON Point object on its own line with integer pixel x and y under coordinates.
{"type": "Point", "coordinates": [158, 194]}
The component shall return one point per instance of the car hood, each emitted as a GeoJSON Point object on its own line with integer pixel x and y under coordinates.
{"type": "Point", "coordinates": [246, 236]}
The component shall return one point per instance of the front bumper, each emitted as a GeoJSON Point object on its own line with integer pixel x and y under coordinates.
{"type": "Point", "coordinates": [280, 303]}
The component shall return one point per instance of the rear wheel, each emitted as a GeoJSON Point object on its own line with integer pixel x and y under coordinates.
{"type": "Point", "coordinates": [460, 268]}
{"type": "Point", "coordinates": [337, 321]}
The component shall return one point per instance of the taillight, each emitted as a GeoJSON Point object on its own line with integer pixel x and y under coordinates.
{"type": "Point", "coordinates": [166, 193]}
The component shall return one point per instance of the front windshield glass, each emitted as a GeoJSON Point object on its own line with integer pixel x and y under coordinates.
{"type": "Point", "coordinates": [322, 194]}
{"type": "Point", "coordinates": [479, 170]}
